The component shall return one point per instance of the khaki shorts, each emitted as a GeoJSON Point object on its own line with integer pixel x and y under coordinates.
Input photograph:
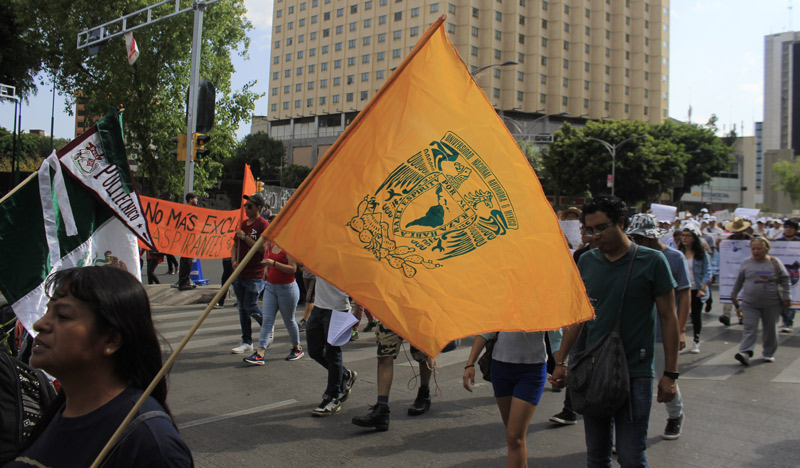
{"type": "Point", "coordinates": [389, 344]}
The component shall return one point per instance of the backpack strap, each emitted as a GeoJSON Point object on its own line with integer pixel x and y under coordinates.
{"type": "Point", "coordinates": [132, 427]}
{"type": "Point", "coordinates": [625, 288]}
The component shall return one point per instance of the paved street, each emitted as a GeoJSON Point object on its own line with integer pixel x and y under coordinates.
{"type": "Point", "coordinates": [233, 414]}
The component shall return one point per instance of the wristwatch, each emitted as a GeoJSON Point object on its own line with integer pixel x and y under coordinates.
{"type": "Point", "coordinates": [672, 375]}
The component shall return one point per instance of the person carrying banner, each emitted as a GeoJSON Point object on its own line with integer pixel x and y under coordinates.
{"type": "Point", "coordinates": [644, 231]}
{"type": "Point", "coordinates": [765, 290]}
{"type": "Point", "coordinates": [738, 229]}
{"type": "Point", "coordinates": [248, 285]}
{"type": "Point", "coordinates": [389, 344]}
{"type": "Point", "coordinates": [185, 267]}
{"type": "Point", "coordinates": [649, 295]}
{"type": "Point", "coordinates": [97, 338]}
{"type": "Point", "coordinates": [789, 234]}
{"type": "Point", "coordinates": [340, 379]}
{"type": "Point", "coordinates": [281, 293]}
{"type": "Point", "coordinates": [700, 277]}
{"type": "Point", "coordinates": [518, 373]}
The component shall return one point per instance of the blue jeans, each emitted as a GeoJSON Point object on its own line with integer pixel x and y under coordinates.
{"type": "Point", "coordinates": [631, 431]}
{"type": "Point", "coordinates": [788, 317]}
{"type": "Point", "coordinates": [281, 297]}
{"type": "Point", "coordinates": [247, 291]}
{"type": "Point", "coordinates": [328, 356]}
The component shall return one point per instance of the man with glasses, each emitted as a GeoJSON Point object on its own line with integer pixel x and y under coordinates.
{"type": "Point", "coordinates": [250, 282]}
{"type": "Point", "coordinates": [644, 231]}
{"type": "Point", "coordinates": [649, 291]}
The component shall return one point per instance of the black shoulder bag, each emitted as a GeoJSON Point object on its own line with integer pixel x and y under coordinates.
{"type": "Point", "coordinates": [598, 378]}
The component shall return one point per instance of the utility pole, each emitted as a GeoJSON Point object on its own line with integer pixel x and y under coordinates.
{"type": "Point", "coordinates": [10, 92]}
{"type": "Point", "coordinates": [145, 17]}
{"type": "Point", "coordinates": [612, 149]}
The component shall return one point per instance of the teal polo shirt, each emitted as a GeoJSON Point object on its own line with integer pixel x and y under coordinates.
{"type": "Point", "coordinates": [605, 280]}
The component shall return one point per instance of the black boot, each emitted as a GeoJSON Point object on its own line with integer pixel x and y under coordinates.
{"type": "Point", "coordinates": [421, 404]}
{"type": "Point", "coordinates": [378, 417]}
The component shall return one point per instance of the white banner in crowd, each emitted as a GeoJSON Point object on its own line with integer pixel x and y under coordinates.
{"type": "Point", "coordinates": [572, 230]}
{"type": "Point", "coordinates": [750, 213]}
{"type": "Point", "coordinates": [663, 213]}
{"type": "Point", "coordinates": [723, 216]}
{"type": "Point", "coordinates": [733, 252]}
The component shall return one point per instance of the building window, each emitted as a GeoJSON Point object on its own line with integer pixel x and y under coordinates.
{"type": "Point", "coordinates": [335, 99]}
{"type": "Point", "coordinates": [273, 107]}
{"type": "Point", "coordinates": [351, 44]}
{"type": "Point", "coordinates": [299, 54]}
{"type": "Point", "coordinates": [311, 68]}
{"type": "Point", "coordinates": [323, 66]}
{"type": "Point", "coordinates": [287, 73]}
{"type": "Point", "coordinates": [290, 25]}
{"type": "Point", "coordinates": [498, 16]}
{"type": "Point", "coordinates": [451, 28]}
{"type": "Point", "coordinates": [314, 19]}
{"type": "Point", "coordinates": [565, 82]}
{"type": "Point", "coordinates": [627, 108]}
{"type": "Point", "coordinates": [277, 29]}
{"type": "Point", "coordinates": [379, 74]}
{"type": "Point", "coordinates": [474, 31]}
{"type": "Point", "coordinates": [365, 58]}
{"type": "Point", "coordinates": [279, 13]}
{"type": "Point", "coordinates": [368, 5]}
{"type": "Point", "coordinates": [543, 79]}
{"type": "Point", "coordinates": [337, 80]}
{"type": "Point", "coordinates": [566, 45]}
{"type": "Point", "coordinates": [301, 22]}
{"type": "Point", "coordinates": [519, 95]}
{"type": "Point", "coordinates": [337, 63]}
{"type": "Point", "coordinates": [382, 19]}
{"type": "Point", "coordinates": [326, 32]}
{"type": "Point", "coordinates": [544, 60]}
{"type": "Point", "coordinates": [337, 47]}
{"type": "Point", "coordinates": [365, 41]}
{"type": "Point", "coordinates": [434, 7]}
{"type": "Point", "coordinates": [585, 103]}
{"type": "Point", "coordinates": [312, 52]}
{"type": "Point", "coordinates": [496, 92]}
{"type": "Point", "coordinates": [351, 61]}
{"type": "Point", "coordinates": [276, 59]}
{"type": "Point", "coordinates": [397, 35]}
{"type": "Point", "coordinates": [451, 8]}
{"type": "Point", "coordinates": [310, 85]}
{"type": "Point", "coordinates": [521, 20]}
{"type": "Point", "coordinates": [607, 87]}
{"type": "Point", "coordinates": [339, 12]}
{"type": "Point", "coordinates": [286, 105]}
{"type": "Point", "coordinates": [398, 15]}
{"type": "Point", "coordinates": [382, 37]}
{"type": "Point", "coordinates": [368, 22]}
{"type": "Point", "coordinates": [414, 31]}
{"type": "Point", "coordinates": [606, 106]}
{"type": "Point", "coordinates": [396, 53]}
{"type": "Point", "coordinates": [297, 103]}
{"type": "Point", "coordinates": [349, 97]}
{"type": "Point", "coordinates": [520, 76]}
{"type": "Point", "coordinates": [544, 41]}
{"type": "Point", "coordinates": [586, 67]}
{"type": "Point", "coordinates": [277, 44]}
{"type": "Point", "coordinates": [542, 98]}
{"type": "Point", "coordinates": [566, 63]}
{"type": "Point", "coordinates": [566, 27]}
{"type": "Point", "coordinates": [414, 12]}
{"type": "Point", "coordinates": [365, 76]}
{"type": "Point", "coordinates": [474, 51]}
{"type": "Point", "coordinates": [323, 83]}
{"type": "Point", "coordinates": [339, 29]}
{"type": "Point", "coordinates": [275, 91]}
{"type": "Point", "coordinates": [353, 9]}
{"type": "Point", "coordinates": [521, 38]}
{"type": "Point", "coordinates": [353, 26]}
{"type": "Point", "coordinates": [544, 24]}
{"type": "Point", "coordinates": [608, 69]}
{"type": "Point", "coordinates": [364, 95]}
{"type": "Point", "coordinates": [322, 100]}
{"type": "Point", "coordinates": [326, 16]}
{"type": "Point", "coordinates": [498, 35]}
{"type": "Point", "coordinates": [520, 57]}
{"type": "Point", "coordinates": [586, 84]}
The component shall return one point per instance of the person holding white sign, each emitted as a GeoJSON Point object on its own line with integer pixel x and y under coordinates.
{"type": "Point", "coordinates": [764, 285]}
{"type": "Point", "coordinates": [700, 277]}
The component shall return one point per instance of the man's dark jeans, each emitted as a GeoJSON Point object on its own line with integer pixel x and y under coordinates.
{"type": "Point", "coordinates": [631, 431]}
{"type": "Point", "coordinates": [184, 270]}
{"type": "Point", "coordinates": [328, 356]}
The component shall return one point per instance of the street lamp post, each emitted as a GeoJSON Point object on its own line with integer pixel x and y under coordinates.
{"type": "Point", "coordinates": [10, 92]}
{"type": "Point", "coordinates": [613, 150]}
{"type": "Point", "coordinates": [500, 64]}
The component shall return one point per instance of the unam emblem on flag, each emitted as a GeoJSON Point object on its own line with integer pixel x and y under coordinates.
{"type": "Point", "coordinates": [464, 207]}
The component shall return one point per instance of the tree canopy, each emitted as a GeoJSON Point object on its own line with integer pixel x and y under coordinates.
{"type": "Point", "coordinates": [31, 149]}
{"type": "Point", "coordinates": [20, 49]}
{"type": "Point", "coordinates": [788, 175]}
{"type": "Point", "coordinates": [153, 91]}
{"type": "Point", "coordinates": [656, 158]}
{"type": "Point", "coordinates": [264, 155]}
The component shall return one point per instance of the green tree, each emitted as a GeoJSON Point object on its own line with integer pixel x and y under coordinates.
{"type": "Point", "coordinates": [788, 175]}
{"type": "Point", "coordinates": [294, 175]}
{"type": "Point", "coordinates": [31, 149]}
{"type": "Point", "coordinates": [20, 48]}
{"type": "Point", "coordinates": [264, 155]}
{"type": "Point", "coordinates": [153, 90]}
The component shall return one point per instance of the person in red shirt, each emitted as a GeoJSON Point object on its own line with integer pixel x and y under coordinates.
{"type": "Point", "coordinates": [250, 282]}
{"type": "Point", "coordinates": [281, 293]}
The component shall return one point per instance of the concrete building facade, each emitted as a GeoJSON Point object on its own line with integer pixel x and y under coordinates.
{"type": "Point", "coordinates": [571, 59]}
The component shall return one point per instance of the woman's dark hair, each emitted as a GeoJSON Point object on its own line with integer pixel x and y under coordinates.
{"type": "Point", "coordinates": [612, 206]}
{"type": "Point", "coordinates": [120, 304]}
{"type": "Point", "coordinates": [697, 246]}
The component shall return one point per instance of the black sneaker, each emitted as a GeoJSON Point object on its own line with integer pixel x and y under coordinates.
{"type": "Point", "coordinates": [564, 418]}
{"type": "Point", "coordinates": [725, 320]}
{"type": "Point", "coordinates": [378, 417]}
{"type": "Point", "coordinates": [420, 405]}
{"type": "Point", "coordinates": [256, 359]}
{"type": "Point", "coordinates": [673, 429]}
{"type": "Point", "coordinates": [347, 385]}
{"type": "Point", "coordinates": [743, 359]}
{"type": "Point", "coordinates": [328, 407]}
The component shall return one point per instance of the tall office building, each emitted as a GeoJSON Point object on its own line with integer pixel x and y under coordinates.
{"type": "Point", "coordinates": [573, 59]}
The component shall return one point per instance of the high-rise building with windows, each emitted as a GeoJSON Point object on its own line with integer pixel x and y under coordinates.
{"type": "Point", "coordinates": [572, 59]}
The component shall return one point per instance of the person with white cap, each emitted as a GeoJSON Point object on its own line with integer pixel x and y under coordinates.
{"type": "Point", "coordinates": [700, 277]}
{"type": "Point", "coordinates": [738, 231]}
{"type": "Point", "coordinates": [777, 229]}
{"type": "Point", "coordinates": [644, 231]}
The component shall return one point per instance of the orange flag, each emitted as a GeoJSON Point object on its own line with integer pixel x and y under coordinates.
{"type": "Point", "coordinates": [426, 212]}
{"type": "Point", "coordinates": [248, 188]}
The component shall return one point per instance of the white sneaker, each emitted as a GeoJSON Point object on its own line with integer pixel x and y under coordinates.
{"type": "Point", "coordinates": [242, 348]}
{"type": "Point", "coordinates": [785, 329]}
{"type": "Point", "coordinates": [695, 348]}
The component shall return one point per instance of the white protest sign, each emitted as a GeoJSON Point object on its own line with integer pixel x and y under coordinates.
{"type": "Point", "coordinates": [733, 252]}
{"type": "Point", "coordinates": [663, 213]}
{"type": "Point", "coordinates": [723, 216]}
{"type": "Point", "coordinates": [572, 230]}
{"type": "Point", "coordinates": [750, 213]}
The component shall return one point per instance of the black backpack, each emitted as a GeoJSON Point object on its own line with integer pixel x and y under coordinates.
{"type": "Point", "coordinates": [25, 395]}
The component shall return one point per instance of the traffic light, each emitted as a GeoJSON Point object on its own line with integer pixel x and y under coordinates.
{"type": "Point", "coordinates": [200, 150]}
{"type": "Point", "coordinates": [259, 186]}
{"type": "Point", "coordinates": [181, 151]}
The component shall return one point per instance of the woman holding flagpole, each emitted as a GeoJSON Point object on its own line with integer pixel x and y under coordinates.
{"type": "Point", "coordinates": [97, 338]}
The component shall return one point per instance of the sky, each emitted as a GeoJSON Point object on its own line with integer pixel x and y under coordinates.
{"type": "Point", "coordinates": [716, 64]}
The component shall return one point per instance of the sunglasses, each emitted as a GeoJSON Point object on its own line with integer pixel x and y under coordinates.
{"type": "Point", "coordinates": [597, 230]}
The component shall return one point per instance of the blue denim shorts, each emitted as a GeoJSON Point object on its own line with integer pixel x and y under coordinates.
{"type": "Point", "coordinates": [523, 381]}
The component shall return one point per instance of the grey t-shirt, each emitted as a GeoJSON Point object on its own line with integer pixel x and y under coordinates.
{"type": "Point", "coordinates": [519, 347]}
{"type": "Point", "coordinates": [757, 283]}
{"type": "Point", "coordinates": [328, 296]}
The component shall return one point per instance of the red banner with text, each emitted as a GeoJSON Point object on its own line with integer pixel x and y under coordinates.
{"type": "Point", "coordinates": [190, 231]}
